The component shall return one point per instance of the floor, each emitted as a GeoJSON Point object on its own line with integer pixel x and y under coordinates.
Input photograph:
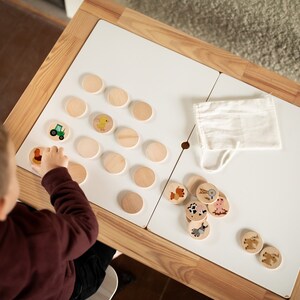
{"type": "Point", "coordinates": [26, 37]}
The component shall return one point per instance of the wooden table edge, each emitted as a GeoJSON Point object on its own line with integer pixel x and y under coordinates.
{"type": "Point", "coordinates": [199, 273]}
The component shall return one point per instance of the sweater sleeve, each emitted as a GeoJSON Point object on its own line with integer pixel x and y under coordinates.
{"type": "Point", "coordinates": [75, 222]}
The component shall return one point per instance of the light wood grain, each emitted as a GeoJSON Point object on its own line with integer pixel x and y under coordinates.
{"type": "Point", "coordinates": [139, 243]}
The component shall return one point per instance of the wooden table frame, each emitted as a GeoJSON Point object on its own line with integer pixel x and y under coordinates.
{"type": "Point", "coordinates": [138, 243]}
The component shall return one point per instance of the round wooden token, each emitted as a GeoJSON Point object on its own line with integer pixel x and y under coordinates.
{"type": "Point", "coordinates": [35, 155]}
{"type": "Point", "coordinates": [270, 257]}
{"type": "Point", "coordinates": [195, 211]}
{"type": "Point", "coordinates": [219, 208]}
{"type": "Point", "coordinates": [77, 172]}
{"type": "Point", "coordinates": [113, 162]}
{"type": "Point", "coordinates": [58, 131]}
{"type": "Point", "coordinates": [175, 192]}
{"type": "Point", "coordinates": [193, 182]}
{"type": "Point", "coordinates": [75, 107]}
{"type": "Point", "coordinates": [132, 202]}
{"type": "Point", "coordinates": [92, 83]}
{"type": "Point", "coordinates": [252, 242]}
{"type": "Point", "coordinates": [103, 123]}
{"type": "Point", "coordinates": [141, 110]}
{"type": "Point", "coordinates": [87, 147]}
{"type": "Point", "coordinates": [207, 193]}
{"type": "Point", "coordinates": [117, 97]}
{"type": "Point", "coordinates": [156, 151]}
{"type": "Point", "coordinates": [127, 137]}
{"type": "Point", "coordinates": [198, 230]}
{"type": "Point", "coordinates": [143, 176]}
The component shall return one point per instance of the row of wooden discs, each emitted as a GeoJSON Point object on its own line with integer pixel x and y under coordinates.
{"type": "Point", "coordinates": [206, 199]}
{"type": "Point", "coordinates": [116, 96]}
{"type": "Point", "coordinates": [269, 256]}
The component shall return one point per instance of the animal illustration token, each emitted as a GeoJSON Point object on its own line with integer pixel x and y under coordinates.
{"type": "Point", "coordinates": [207, 193]}
{"type": "Point", "coordinates": [195, 210]}
{"type": "Point", "coordinates": [252, 242]}
{"type": "Point", "coordinates": [270, 257]}
{"type": "Point", "coordinates": [103, 123]}
{"type": "Point", "coordinates": [35, 155]}
{"type": "Point", "coordinates": [175, 192]}
{"type": "Point", "coordinates": [198, 230]}
{"type": "Point", "coordinates": [219, 208]}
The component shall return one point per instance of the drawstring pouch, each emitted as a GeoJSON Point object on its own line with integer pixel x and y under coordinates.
{"type": "Point", "coordinates": [225, 127]}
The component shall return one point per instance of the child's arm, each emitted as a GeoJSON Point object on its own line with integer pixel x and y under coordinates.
{"type": "Point", "coordinates": [75, 222]}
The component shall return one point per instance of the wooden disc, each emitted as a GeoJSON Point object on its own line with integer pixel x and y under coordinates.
{"type": "Point", "coordinates": [58, 131]}
{"type": "Point", "coordinates": [252, 242]}
{"type": "Point", "coordinates": [144, 177]}
{"type": "Point", "coordinates": [127, 137]}
{"type": "Point", "coordinates": [193, 182]}
{"type": "Point", "coordinates": [87, 147]}
{"type": "Point", "coordinates": [132, 202]}
{"type": "Point", "coordinates": [195, 211]}
{"type": "Point", "coordinates": [141, 110]}
{"type": "Point", "coordinates": [113, 162]}
{"type": "Point", "coordinates": [207, 193]}
{"type": "Point", "coordinates": [77, 172]}
{"type": "Point", "coordinates": [92, 83]}
{"type": "Point", "coordinates": [117, 97]}
{"type": "Point", "coordinates": [175, 192]}
{"type": "Point", "coordinates": [75, 107]}
{"type": "Point", "coordinates": [103, 123]}
{"type": "Point", "coordinates": [198, 230]}
{"type": "Point", "coordinates": [219, 208]}
{"type": "Point", "coordinates": [270, 257]}
{"type": "Point", "coordinates": [35, 155]}
{"type": "Point", "coordinates": [156, 151]}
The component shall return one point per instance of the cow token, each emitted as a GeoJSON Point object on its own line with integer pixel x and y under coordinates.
{"type": "Point", "coordinates": [195, 210]}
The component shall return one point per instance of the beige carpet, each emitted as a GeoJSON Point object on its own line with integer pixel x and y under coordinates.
{"type": "Point", "coordinates": [266, 32]}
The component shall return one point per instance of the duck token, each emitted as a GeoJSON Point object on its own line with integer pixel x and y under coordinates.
{"type": "Point", "coordinates": [103, 123]}
{"type": "Point", "coordinates": [252, 242]}
{"type": "Point", "coordinates": [219, 208]}
{"type": "Point", "coordinates": [195, 211]}
{"type": "Point", "coordinates": [58, 131]}
{"type": "Point", "coordinates": [77, 172]}
{"type": "Point", "coordinates": [92, 83]}
{"type": "Point", "coordinates": [193, 182]}
{"type": "Point", "coordinates": [75, 107]}
{"type": "Point", "coordinates": [35, 155]}
{"type": "Point", "coordinates": [113, 162]}
{"type": "Point", "coordinates": [270, 257]}
{"type": "Point", "coordinates": [117, 97]}
{"type": "Point", "coordinates": [207, 193]}
{"type": "Point", "coordinates": [132, 202]}
{"type": "Point", "coordinates": [175, 192]}
{"type": "Point", "coordinates": [144, 177]}
{"type": "Point", "coordinates": [141, 110]}
{"type": "Point", "coordinates": [199, 230]}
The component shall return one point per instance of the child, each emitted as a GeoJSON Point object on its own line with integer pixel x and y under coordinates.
{"type": "Point", "coordinates": [46, 255]}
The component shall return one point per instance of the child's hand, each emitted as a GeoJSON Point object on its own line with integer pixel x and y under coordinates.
{"type": "Point", "coordinates": [52, 158]}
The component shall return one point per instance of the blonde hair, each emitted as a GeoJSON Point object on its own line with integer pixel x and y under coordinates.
{"type": "Point", "coordinates": [4, 176]}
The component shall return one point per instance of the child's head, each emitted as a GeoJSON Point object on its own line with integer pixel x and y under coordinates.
{"type": "Point", "coordinates": [9, 186]}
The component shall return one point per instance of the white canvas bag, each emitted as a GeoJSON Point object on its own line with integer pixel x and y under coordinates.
{"type": "Point", "coordinates": [225, 126]}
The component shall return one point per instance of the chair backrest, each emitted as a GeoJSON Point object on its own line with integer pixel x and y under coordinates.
{"type": "Point", "coordinates": [108, 286]}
